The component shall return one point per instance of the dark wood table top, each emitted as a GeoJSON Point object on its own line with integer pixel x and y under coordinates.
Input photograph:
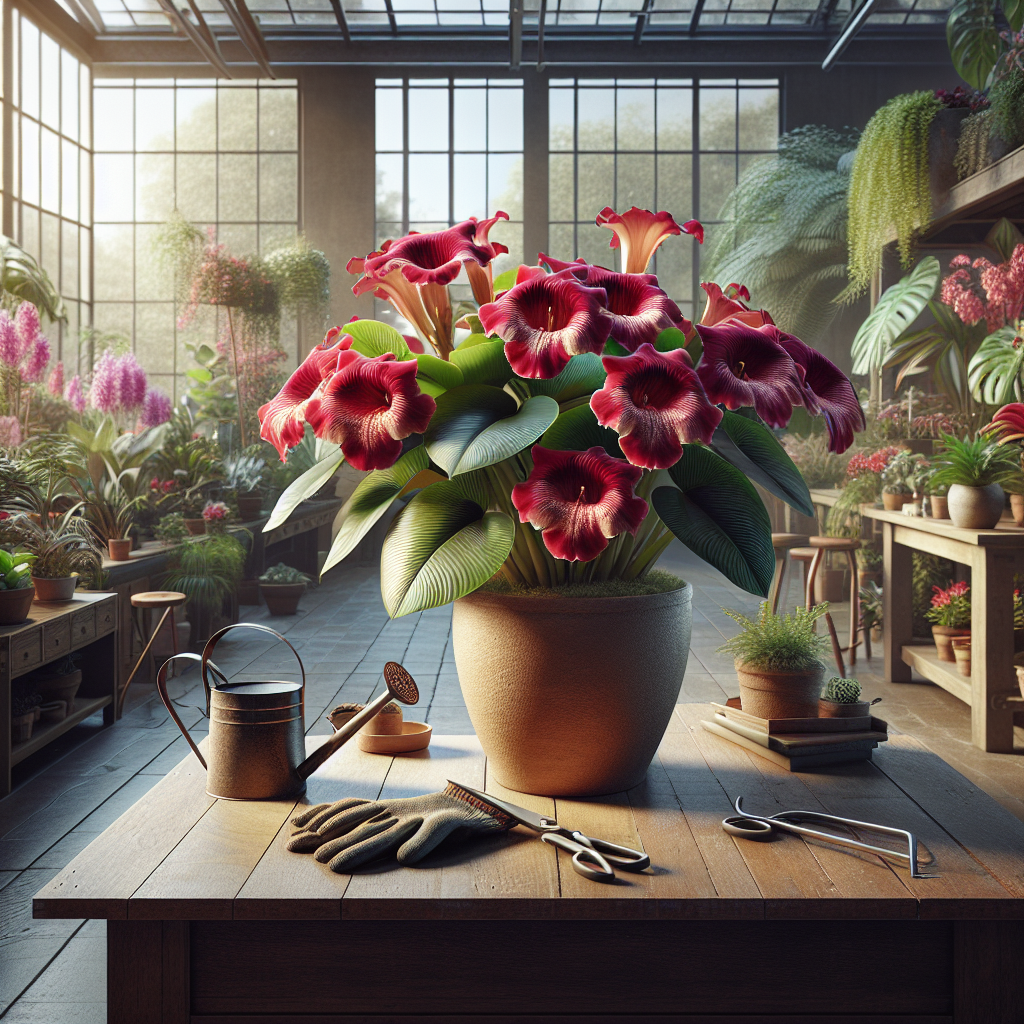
{"type": "Point", "coordinates": [181, 855]}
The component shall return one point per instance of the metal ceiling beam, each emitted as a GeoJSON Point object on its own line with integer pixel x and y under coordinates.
{"type": "Point", "coordinates": [641, 23]}
{"type": "Point", "coordinates": [200, 35]}
{"type": "Point", "coordinates": [850, 29]}
{"type": "Point", "coordinates": [88, 14]}
{"type": "Point", "coordinates": [391, 17]}
{"type": "Point", "coordinates": [698, 7]}
{"type": "Point", "coordinates": [249, 33]}
{"type": "Point", "coordinates": [824, 12]}
{"type": "Point", "coordinates": [339, 15]}
{"type": "Point", "coordinates": [541, 20]}
{"type": "Point", "coordinates": [515, 33]}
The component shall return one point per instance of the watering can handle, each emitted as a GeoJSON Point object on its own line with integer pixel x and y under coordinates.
{"type": "Point", "coordinates": [161, 685]}
{"type": "Point", "coordinates": [215, 639]}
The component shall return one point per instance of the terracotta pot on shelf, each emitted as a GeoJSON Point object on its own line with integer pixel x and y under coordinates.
{"type": "Point", "coordinates": [15, 605]}
{"type": "Point", "coordinates": [63, 687]}
{"type": "Point", "coordinates": [250, 506]}
{"type": "Point", "coordinates": [571, 696]}
{"type": "Point", "coordinates": [939, 506]}
{"type": "Point", "coordinates": [22, 726]}
{"type": "Point", "coordinates": [975, 508]}
{"type": "Point", "coordinates": [1017, 508]}
{"type": "Point", "coordinates": [780, 694]}
{"type": "Point", "coordinates": [119, 548]}
{"type": "Point", "coordinates": [895, 502]}
{"type": "Point", "coordinates": [282, 598]}
{"type": "Point", "coordinates": [835, 709]}
{"type": "Point", "coordinates": [962, 654]}
{"type": "Point", "coordinates": [60, 589]}
{"type": "Point", "coordinates": [944, 640]}
{"type": "Point", "coordinates": [196, 526]}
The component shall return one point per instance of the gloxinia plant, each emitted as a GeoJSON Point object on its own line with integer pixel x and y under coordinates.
{"type": "Point", "coordinates": [566, 432]}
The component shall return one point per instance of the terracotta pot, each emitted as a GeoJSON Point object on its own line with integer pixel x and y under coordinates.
{"type": "Point", "coordinates": [962, 654]}
{"type": "Point", "coordinates": [1017, 508]}
{"type": "Point", "coordinates": [196, 526]}
{"type": "Point", "coordinates": [282, 598]}
{"type": "Point", "coordinates": [895, 502]}
{"type": "Point", "coordinates": [63, 687]}
{"type": "Point", "coordinates": [119, 549]}
{"type": "Point", "coordinates": [939, 506]}
{"type": "Point", "coordinates": [571, 696]}
{"type": "Point", "coordinates": [833, 709]}
{"type": "Point", "coordinates": [866, 576]}
{"type": "Point", "coordinates": [22, 726]}
{"type": "Point", "coordinates": [975, 508]}
{"type": "Point", "coordinates": [249, 507]}
{"type": "Point", "coordinates": [780, 694]}
{"type": "Point", "coordinates": [943, 640]}
{"type": "Point", "coordinates": [60, 589]}
{"type": "Point", "coordinates": [54, 711]}
{"type": "Point", "coordinates": [15, 605]}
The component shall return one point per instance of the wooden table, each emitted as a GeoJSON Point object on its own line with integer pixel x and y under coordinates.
{"type": "Point", "coordinates": [211, 919]}
{"type": "Point", "coordinates": [993, 556]}
{"type": "Point", "coordinates": [87, 624]}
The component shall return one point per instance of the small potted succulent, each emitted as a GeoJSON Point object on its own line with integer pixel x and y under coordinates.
{"type": "Point", "coordinates": [281, 587]}
{"type": "Point", "coordinates": [216, 515]}
{"type": "Point", "coordinates": [841, 699]}
{"type": "Point", "coordinates": [975, 472]}
{"type": "Point", "coordinates": [898, 481]}
{"type": "Point", "coordinates": [23, 717]}
{"type": "Point", "coordinates": [243, 475]}
{"type": "Point", "coordinates": [871, 609]}
{"type": "Point", "coordinates": [16, 590]}
{"type": "Point", "coordinates": [938, 503]}
{"type": "Point", "coordinates": [779, 662]}
{"type": "Point", "coordinates": [171, 529]}
{"type": "Point", "coordinates": [950, 616]}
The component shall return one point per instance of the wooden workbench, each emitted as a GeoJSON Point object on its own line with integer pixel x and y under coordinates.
{"type": "Point", "coordinates": [993, 556]}
{"type": "Point", "coordinates": [211, 919]}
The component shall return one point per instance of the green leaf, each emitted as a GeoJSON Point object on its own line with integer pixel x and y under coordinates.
{"type": "Point", "coordinates": [22, 277]}
{"type": "Point", "coordinates": [670, 339]}
{"type": "Point", "coordinates": [372, 338]}
{"type": "Point", "coordinates": [200, 374]}
{"type": "Point", "coordinates": [477, 426]}
{"type": "Point", "coordinates": [204, 355]}
{"type": "Point", "coordinates": [577, 429]}
{"type": "Point", "coordinates": [504, 281]}
{"type": "Point", "coordinates": [437, 375]}
{"type": "Point", "coordinates": [756, 452]}
{"type": "Point", "coordinates": [897, 309]}
{"type": "Point", "coordinates": [613, 348]}
{"type": "Point", "coordinates": [717, 514]}
{"type": "Point", "coordinates": [302, 487]}
{"type": "Point", "coordinates": [583, 375]}
{"type": "Point", "coordinates": [1014, 11]}
{"type": "Point", "coordinates": [995, 370]}
{"type": "Point", "coordinates": [442, 546]}
{"type": "Point", "coordinates": [483, 364]}
{"type": "Point", "coordinates": [1004, 236]}
{"type": "Point", "coordinates": [370, 500]}
{"type": "Point", "coordinates": [973, 39]}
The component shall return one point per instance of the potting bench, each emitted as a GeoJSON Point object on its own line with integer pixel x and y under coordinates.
{"type": "Point", "coordinates": [87, 624]}
{"type": "Point", "coordinates": [210, 918]}
{"type": "Point", "coordinates": [993, 556]}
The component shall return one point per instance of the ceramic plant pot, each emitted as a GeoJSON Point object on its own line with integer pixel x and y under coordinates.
{"type": "Point", "coordinates": [975, 508]}
{"type": "Point", "coordinates": [962, 654]}
{"type": "Point", "coordinates": [63, 687]}
{"type": "Point", "coordinates": [833, 709]}
{"type": "Point", "coordinates": [895, 502]}
{"type": "Point", "coordinates": [60, 589]}
{"type": "Point", "coordinates": [196, 526]}
{"type": "Point", "coordinates": [939, 506]}
{"type": "Point", "coordinates": [571, 696]}
{"type": "Point", "coordinates": [780, 694]}
{"type": "Point", "coordinates": [119, 549]}
{"type": "Point", "coordinates": [282, 598]}
{"type": "Point", "coordinates": [944, 640]}
{"type": "Point", "coordinates": [249, 507]}
{"type": "Point", "coordinates": [1017, 508]}
{"type": "Point", "coordinates": [15, 605]}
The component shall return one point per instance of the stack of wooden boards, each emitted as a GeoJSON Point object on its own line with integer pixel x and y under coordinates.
{"type": "Point", "coordinates": [799, 744]}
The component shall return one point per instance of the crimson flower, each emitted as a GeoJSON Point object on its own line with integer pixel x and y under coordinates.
{"type": "Point", "coordinates": [744, 365]}
{"type": "Point", "coordinates": [656, 404]}
{"type": "Point", "coordinates": [546, 320]}
{"type": "Point", "coordinates": [481, 279]}
{"type": "Point", "coordinates": [579, 500]}
{"type": "Point", "coordinates": [435, 257]}
{"type": "Point", "coordinates": [639, 232]}
{"type": "Point", "coordinates": [826, 390]}
{"type": "Point", "coordinates": [729, 305]}
{"type": "Point", "coordinates": [368, 406]}
{"type": "Point", "coordinates": [1007, 424]}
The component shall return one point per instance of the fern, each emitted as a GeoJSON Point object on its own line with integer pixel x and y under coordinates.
{"type": "Point", "coordinates": [778, 643]}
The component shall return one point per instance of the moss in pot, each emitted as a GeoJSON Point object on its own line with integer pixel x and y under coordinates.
{"type": "Point", "coordinates": [779, 662]}
{"type": "Point", "coordinates": [975, 472]}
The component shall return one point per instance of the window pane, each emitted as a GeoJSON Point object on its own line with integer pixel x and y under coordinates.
{"type": "Point", "coordinates": [112, 119]}
{"type": "Point", "coordinates": [85, 264]}
{"type": "Point", "coordinates": [114, 261]}
{"type": "Point", "coordinates": [428, 120]}
{"type": "Point", "coordinates": [196, 119]}
{"type": "Point", "coordinates": [29, 54]}
{"type": "Point", "coordinates": [596, 185]}
{"type": "Point", "coordinates": [389, 187]}
{"type": "Point", "coordinates": [675, 186]}
{"type": "Point", "coordinates": [69, 180]}
{"type": "Point", "coordinates": [505, 120]}
{"type": "Point", "coordinates": [635, 182]}
{"type": "Point", "coordinates": [428, 188]}
{"type": "Point", "coordinates": [50, 104]}
{"type": "Point", "coordinates": [505, 184]}
{"type": "Point", "coordinates": [154, 186]}
{"type": "Point", "coordinates": [717, 180]}
{"type": "Point", "coordinates": [560, 118]}
{"type": "Point", "coordinates": [675, 118]}
{"type": "Point", "coordinates": [596, 119]}
{"type": "Point", "coordinates": [69, 260]}
{"type": "Point", "coordinates": [236, 180]}
{"type": "Point", "coordinates": [759, 118]}
{"type": "Point", "coordinates": [470, 186]}
{"type": "Point", "coordinates": [50, 249]}
{"type": "Point", "coordinates": [154, 119]}
{"type": "Point", "coordinates": [85, 183]}
{"type": "Point", "coordinates": [29, 161]}
{"type": "Point", "coordinates": [196, 186]}
{"type": "Point", "coordinates": [389, 119]}
{"type": "Point", "coordinates": [470, 128]}
{"type": "Point", "coordinates": [154, 336]}
{"type": "Point", "coordinates": [635, 119]}
{"type": "Point", "coordinates": [561, 190]}
{"type": "Point", "coordinates": [51, 171]}
{"type": "Point", "coordinates": [84, 106]}
{"type": "Point", "coordinates": [114, 198]}
{"type": "Point", "coordinates": [278, 187]}
{"type": "Point", "coordinates": [69, 95]}
{"type": "Point", "coordinates": [236, 118]}
{"type": "Point", "coordinates": [151, 278]}
{"type": "Point", "coordinates": [718, 119]}
{"type": "Point", "coordinates": [279, 119]}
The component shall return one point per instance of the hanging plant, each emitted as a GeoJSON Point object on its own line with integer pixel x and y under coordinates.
{"type": "Point", "coordinates": [889, 187]}
{"type": "Point", "coordinates": [302, 276]}
{"type": "Point", "coordinates": [1007, 91]}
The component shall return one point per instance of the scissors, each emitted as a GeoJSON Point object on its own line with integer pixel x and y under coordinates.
{"type": "Point", "coordinates": [755, 826]}
{"type": "Point", "coordinates": [592, 858]}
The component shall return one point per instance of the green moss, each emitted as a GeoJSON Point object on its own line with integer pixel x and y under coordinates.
{"type": "Point", "coordinates": [655, 582]}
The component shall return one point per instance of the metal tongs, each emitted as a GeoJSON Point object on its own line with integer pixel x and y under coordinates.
{"type": "Point", "coordinates": [754, 826]}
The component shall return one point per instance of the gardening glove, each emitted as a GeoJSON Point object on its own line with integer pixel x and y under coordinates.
{"type": "Point", "coordinates": [348, 833]}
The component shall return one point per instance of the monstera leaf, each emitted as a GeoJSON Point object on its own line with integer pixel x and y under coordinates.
{"type": "Point", "coordinates": [303, 486]}
{"type": "Point", "coordinates": [973, 39]}
{"type": "Point", "coordinates": [21, 276]}
{"type": "Point", "coordinates": [715, 511]}
{"type": "Point", "coordinates": [995, 370]}
{"type": "Point", "coordinates": [372, 338]}
{"type": "Point", "coordinates": [442, 546]}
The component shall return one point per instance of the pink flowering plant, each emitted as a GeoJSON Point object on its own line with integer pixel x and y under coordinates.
{"type": "Point", "coordinates": [566, 431]}
{"type": "Point", "coordinates": [951, 606]}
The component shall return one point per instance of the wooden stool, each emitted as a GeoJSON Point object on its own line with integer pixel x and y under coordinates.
{"type": "Point", "coordinates": [168, 600]}
{"type": "Point", "coordinates": [783, 543]}
{"type": "Point", "coordinates": [804, 556]}
{"type": "Point", "coordinates": [847, 546]}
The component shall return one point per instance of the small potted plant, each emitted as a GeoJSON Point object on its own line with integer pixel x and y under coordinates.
{"type": "Point", "coordinates": [281, 587]}
{"type": "Point", "coordinates": [23, 717]}
{"type": "Point", "coordinates": [938, 506]}
{"type": "Point", "coordinates": [112, 519]}
{"type": "Point", "coordinates": [950, 616]}
{"type": "Point", "coordinates": [191, 508]}
{"type": "Point", "coordinates": [1018, 621]}
{"type": "Point", "coordinates": [897, 481]}
{"type": "Point", "coordinates": [243, 475]}
{"type": "Point", "coordinates": [59, 680]}
{"type": "Point", "coordinates": [841, 699]}
{"type": "Point", "coordinates": [216, 515]}
{"type": "Point", "coordinates": [975, 472]}
{"type": "Point", "coordinates": [871, 609]}
{"type": "Point", "coordinates": [64, 550]}
{"type": "Point", "coordinates": [779, 662]}
{"type": "Point", "coordinates": [869, 566]}
{"type": "Point", "coordinates": [962, 654]}
{"type": "Point", "coordinates": [16, 590]}
{"type": "Point", "coordinates": [171, 529]}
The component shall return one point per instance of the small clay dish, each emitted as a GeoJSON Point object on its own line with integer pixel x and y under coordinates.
{"type": "Point", "coordinates": [387, 721]}
{"type": "Point", "coordinates": [415, 736]}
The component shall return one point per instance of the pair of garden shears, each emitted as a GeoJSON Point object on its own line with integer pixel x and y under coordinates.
{"type": "Point", "coordinates": [592, 858]}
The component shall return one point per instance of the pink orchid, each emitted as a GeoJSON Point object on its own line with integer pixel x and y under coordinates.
{"type": "Point", "coordinates": [73, 394]}
{"type": "Point", "coordinates": [656, 404]}
{"type": "Point", "coordinates": [579, 500]}
{"type": "Point", "coordinates": [10, 432]}
{"type": "Point", "coordinates": [640, 232]}
{"type": "Point", "coordinates": [103, 394]}
{"type": "Point", "coordinates": [38, 359]}
{"type": "Point", "coordinates": [729, 305]}
{"type": "Point", "coordinates": [546, 320]}
{"type": "Point", "coordinates": [156, 409]}
{"type": "Point", "coordinates": [26, 322]}
{"type": "Point", "coordinates": [432, 258]}
{"type": "Point", "coordinates": [55, 385]}
{"type": "Point", "coordinates": [11, 352]}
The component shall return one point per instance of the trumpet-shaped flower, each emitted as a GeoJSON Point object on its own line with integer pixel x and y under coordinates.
{"type": "Point", "coordinates": [639, 233]}
{"type": "Point", "coordinates": [481, 279]}
{"type": "Point", "coordinates": [656, 404]}
{"type": "Point", "coordinates": [579, 500]}
{"type": "Point", "coordinates": [435, 257]}
{"type": "Point", "coordinates": [729, 305]}
{"type": "Point", "coordinates": [368, 406]}
{"type": "Point", "coordinates": [546, 320]}
{"type": "Point", "coordinates": [826, 390]}
{"type": "Point", "coordinates": [747, 366]}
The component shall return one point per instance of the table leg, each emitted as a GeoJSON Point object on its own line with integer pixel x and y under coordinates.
{"type": "Point", "coordinates": [147, 972]}
{"type": "Point", "coordinates": [897, 605]}
{"type": "Point", "coordinates": [992, 669]}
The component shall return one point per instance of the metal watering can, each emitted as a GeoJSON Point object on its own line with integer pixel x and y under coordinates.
{"type": "Point", "coordinates": [257, 732]}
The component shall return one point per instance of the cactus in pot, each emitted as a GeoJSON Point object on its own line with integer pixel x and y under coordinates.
{"type": "Point", "coordinates": [841, 698]}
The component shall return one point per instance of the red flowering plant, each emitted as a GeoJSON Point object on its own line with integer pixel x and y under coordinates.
{"type": "Point", "coordinates": [581, 425]}
{"type": "Point", "coordinates": [951, 606]}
